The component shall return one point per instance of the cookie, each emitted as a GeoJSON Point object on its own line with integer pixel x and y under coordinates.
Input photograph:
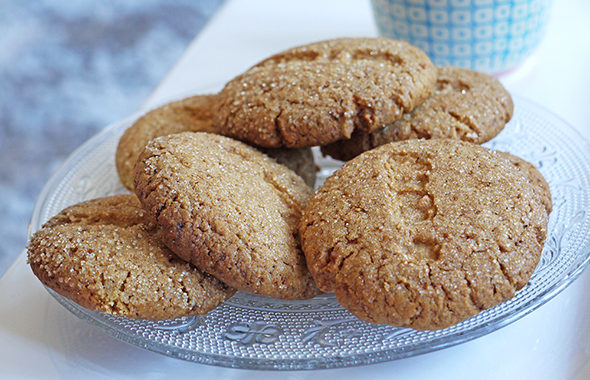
{"type": "Point", "coordinates": [424, 233]}
{"type": "Point", "coordinates": [321, 92]}
{"type": "Point", "coordinates": [228, 209]}
{"type": "Point", "coordinates": [193, 114]}
{"type": "Point", "coordinates": [534, 177]}
{"type": "Point", "coordinates": [104, 255]}
{"type": "Point", "coordinates": [466, 105]}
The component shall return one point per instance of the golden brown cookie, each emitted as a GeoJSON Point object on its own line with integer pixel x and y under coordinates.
{"type": "Point", "coordinates": [193, 114]}
{"type": "Point", "coordinates": [322, 92]}
{"type": "Point", "coordinates": [466, 105]}
{"type": "Point", "coordinates": [104, 255]}
{"type": "Point", "coordinates": [424, 233]}
{"type": "Point", "coordinates": [229, 209]}
{"type": "Point", "coordinates": [534, 177]}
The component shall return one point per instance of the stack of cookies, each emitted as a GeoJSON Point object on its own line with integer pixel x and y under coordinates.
{"type": "Point", "coordinates": [420, 228]}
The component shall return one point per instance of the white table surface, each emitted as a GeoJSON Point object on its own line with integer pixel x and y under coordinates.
{"type": "Point", "coordinates": [40, 339]}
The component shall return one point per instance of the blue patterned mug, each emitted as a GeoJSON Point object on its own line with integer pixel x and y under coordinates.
{"type": "Point", "coordinates": [486, 35]}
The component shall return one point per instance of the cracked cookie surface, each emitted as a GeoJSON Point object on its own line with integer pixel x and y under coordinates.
{"type": "Point", "coordinates": [535, 177]}
{"type": "Point", "coordinates": [104, 255]}
{"type": "Point", "coordinates": [424, 233]}
{"type": "Point", "coordinates": [229, 209]}
{"type": "Point", "coordinates": [466, 105]}
{"type": "Point", "coordinates": [192, 114]}
{"type": "Point", "coordinates": [321, 92]}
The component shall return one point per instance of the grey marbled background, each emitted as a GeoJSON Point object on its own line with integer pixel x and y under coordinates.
{"type": "Point", "coordinates": [67, 70]}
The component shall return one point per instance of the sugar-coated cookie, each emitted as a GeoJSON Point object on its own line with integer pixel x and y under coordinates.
{"type": "Point", "coordinates": [104, 255]}
{"type": "Point", "coordinates": [322, 92]}
{"type": "Point", "coordinates": [424, 233]}
{"type": "Point", "coordinates": [229, 209]}
{"type": "Point", "coordinates": [535, 178]}
{"type": "Point", "coordinates": [194, 114]}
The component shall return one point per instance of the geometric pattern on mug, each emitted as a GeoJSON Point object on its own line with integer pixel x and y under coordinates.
{"type": "Point", "coordinates": [486, 35]}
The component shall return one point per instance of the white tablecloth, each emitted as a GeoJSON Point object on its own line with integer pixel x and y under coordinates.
{"type": "Point", "coordinates": [40, 339]}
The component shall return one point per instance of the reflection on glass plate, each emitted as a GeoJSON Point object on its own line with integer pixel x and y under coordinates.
{"type": "Point", "coordinates": [256, 332]}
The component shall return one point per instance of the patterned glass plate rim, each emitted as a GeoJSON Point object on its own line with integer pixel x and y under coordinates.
{"type": "Point", "coordinates": [262, 333]}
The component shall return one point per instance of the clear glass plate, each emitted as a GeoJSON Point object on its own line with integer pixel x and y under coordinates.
{"type": "Point", "coordinates": [256, 332]}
